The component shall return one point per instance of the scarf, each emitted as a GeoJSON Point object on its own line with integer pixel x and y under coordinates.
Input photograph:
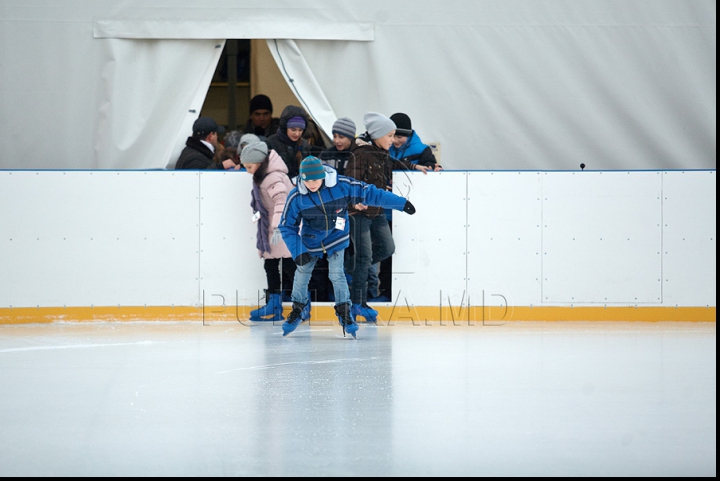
{"type": "Point", "coordinates": [262, 243]}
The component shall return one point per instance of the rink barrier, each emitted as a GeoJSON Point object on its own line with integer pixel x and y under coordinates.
{"type": "Point", "coordinates": [388, 314]}
{"type": "Point", "coordinates": [528, 245]}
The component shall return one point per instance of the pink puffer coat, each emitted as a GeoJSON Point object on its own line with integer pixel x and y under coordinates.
{"type": "Point", "coordinates": [274, 189]}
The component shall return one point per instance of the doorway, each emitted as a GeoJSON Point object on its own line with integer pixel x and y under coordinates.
{"type": "Point", "coordinates": [248, 65]}
{"type": "Point", "coordinates": [228, 98]}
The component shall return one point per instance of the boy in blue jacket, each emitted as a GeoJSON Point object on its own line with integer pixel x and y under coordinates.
{"type": "Point", "coordinates": [315, 222]}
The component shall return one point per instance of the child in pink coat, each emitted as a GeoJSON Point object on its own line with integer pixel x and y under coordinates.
{"type": "Point", "coordinates": [271, 185]}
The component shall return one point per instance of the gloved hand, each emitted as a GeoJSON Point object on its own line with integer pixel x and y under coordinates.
{"type": "Point", "coordinates": [276, 237]}
{"type": "Point", "coordinates": [409, 208]}
{"type": "Point", "coordinates": [303, 259]}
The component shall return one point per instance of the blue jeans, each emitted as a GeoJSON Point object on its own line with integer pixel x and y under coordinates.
{"type": "Point", "coordinates": [373, 287]}
{"type": "Point", "coordinates": [336, 273]}
{"type": "Point", "coordinates": [373, 243]}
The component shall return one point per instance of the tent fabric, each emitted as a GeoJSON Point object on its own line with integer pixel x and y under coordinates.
{"type": "Point", "coordinates": [137, 110]}
{"type": "Point", "coordinates": [302, 82]}
{"type": "Point", "coordinates": [309, 29]}
{"type": "Point", "coordinates": [613, 84]}
{"type": "Point", "coordinates": [532, 97]}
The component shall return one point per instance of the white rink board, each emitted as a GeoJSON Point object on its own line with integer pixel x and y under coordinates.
{"type": "Point", "coordinates": [504, 238]}
{"type": "Point", "coordinates": [430, 246]}
{"type": "Point", "coordinates": [99, 238]}
{"type": "Point", "coordinates": [171, 238]}
{"type": "Point", "coordinates": [230, 269]}
{"type": "Point", "coordinates": [602, 237]}
{"type": "Point", "coordinates": [689, 240]}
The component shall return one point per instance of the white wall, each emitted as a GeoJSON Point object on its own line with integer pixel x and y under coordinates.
{"type": "Point", "coordinates": [643, 238]}
{"type": "Point", "coordinates": [500, 85]}
{"type": "Point", "coordinates": [168, 238]}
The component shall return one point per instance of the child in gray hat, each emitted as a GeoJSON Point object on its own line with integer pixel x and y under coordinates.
{"type": "Point", "coordinates": [337, 156]}
{"type": "Point", "coordinates": [369, 228]}
{"type": "Point", "coordinates": [271, 185]}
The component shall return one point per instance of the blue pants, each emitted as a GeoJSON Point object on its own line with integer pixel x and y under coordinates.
{"type": "Point", "coordinates": [373, 243]}
{"type": "Point", "coordinates": [336, 273]}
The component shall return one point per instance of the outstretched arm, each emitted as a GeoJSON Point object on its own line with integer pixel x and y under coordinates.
{"type": "Point", "coordinates": [369, 195]}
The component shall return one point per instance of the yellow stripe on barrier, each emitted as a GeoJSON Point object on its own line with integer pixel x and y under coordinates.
{"type": "Point", "coordinates": [388, 314]}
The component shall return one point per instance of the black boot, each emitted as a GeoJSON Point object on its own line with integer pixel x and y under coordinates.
{"type": "Point", "coordinates": [294, 319]}
{"type": "Point", "coordinates": [345, 317]}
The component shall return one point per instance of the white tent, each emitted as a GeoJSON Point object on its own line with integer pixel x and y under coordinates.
{"type": "Point", "coordinates": [500, 85]}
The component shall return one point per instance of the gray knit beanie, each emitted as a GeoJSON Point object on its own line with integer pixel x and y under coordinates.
{"type": "Point", "coordinates": [378, 125]}
{"type": "Point", "coordinates": [248, 139]}
{"type": "Point", "coordinates": [344, 126]}
{"type": "Point", "coordinates": [254, 153]}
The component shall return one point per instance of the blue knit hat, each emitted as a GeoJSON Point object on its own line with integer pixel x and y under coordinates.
{"type": "Point", "coordinates": [311, 169]}
{"type": "Point", "coordinates": [296, 122]}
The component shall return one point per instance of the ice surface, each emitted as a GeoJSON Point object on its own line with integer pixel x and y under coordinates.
{"type": "Point", "coordinates": [519, 399]}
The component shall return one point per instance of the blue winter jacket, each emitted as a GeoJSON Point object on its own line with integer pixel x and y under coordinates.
{"type": "Point", "coordinates": [415, 151]}
{"type": "Point", "coordinates": [309, 221]}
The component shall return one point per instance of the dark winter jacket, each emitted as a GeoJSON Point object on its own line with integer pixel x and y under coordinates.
{"type": "Point", "coordinates": [291, 152]}
{"type": "Point", "coordinates": [414, 151]}
{"type": "Point", "coordinates": [196, 155]}
{"type": "Point", "coordinates": [336, 158]}
{"type": "Point", "coordinates": [319, 211]}
{"type": "Point", "coordinates": [263, 134]}
{"type": "Point", "coordinates": [372, 165]}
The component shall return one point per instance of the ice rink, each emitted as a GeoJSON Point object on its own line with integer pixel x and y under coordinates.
{"type": "Point", "coordinates": [225, 399]}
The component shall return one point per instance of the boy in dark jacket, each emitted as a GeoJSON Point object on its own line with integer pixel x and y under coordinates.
{"type": "Point", "coordinates": [343, 131]}
{"type": "Point", "coordinates": [369, 227]}
{"type": "Point", "coordinates": [315, 223]}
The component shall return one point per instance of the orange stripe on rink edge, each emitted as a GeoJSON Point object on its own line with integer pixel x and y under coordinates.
{"type": "Point", "coordinates": [25, 315]}
{"type": "Point", "coordinates": [547, 313]}
{"type": "Point", "coordinates": [388, 314]}
{"type": "Point", "coordinates": [475, 314]}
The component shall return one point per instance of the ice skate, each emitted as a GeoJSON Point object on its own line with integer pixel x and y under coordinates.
{"type": "Point", "coordinates": [306, 311]}
{"type": "Point", "coordinates": [295, 318]}
{"type": "Point", "coordinates": [365, 311]}
{"type": "Point", "coordinates": [271, 311]}
{"type": "Point", "coordinates": [347, 321]}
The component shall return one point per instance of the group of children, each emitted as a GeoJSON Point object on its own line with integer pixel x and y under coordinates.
{"type": "Point", "coordinates": [309, 207]}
